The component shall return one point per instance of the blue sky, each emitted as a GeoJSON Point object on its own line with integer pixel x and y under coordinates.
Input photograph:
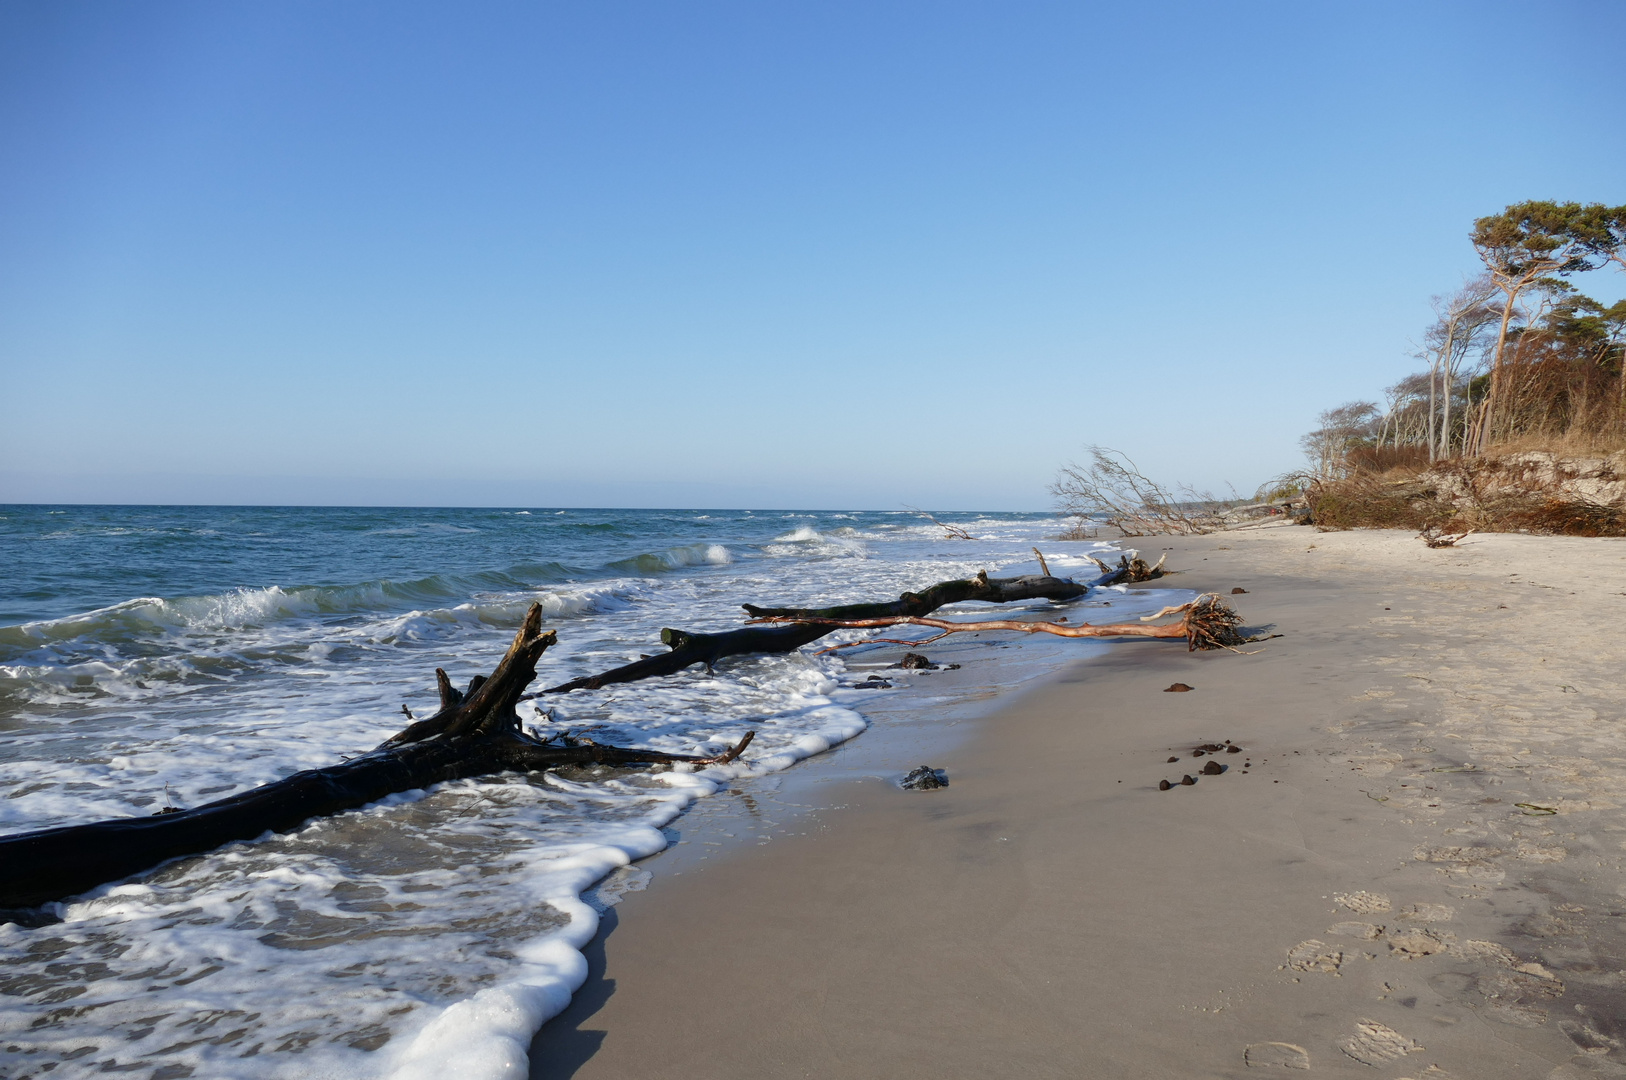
{"type": "Point", "coordinates": [743, 254]}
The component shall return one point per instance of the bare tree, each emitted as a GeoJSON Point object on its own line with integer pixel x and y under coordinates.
{"type": "Point", "coordinates": [1341, 430]}
{"type": "Point", "coordinates": [1112, 488]}
{"type": "Point", "coordinates": [1462, 322]}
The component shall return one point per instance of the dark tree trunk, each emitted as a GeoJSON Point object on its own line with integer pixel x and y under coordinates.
{"type": "Point", "coordinates": [688, 648]}
{"type": "Point", "coordinates": [982, 587]}
{"type": "Point", "coordinates": [473, 734]}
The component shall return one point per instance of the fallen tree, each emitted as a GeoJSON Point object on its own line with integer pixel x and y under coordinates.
{"type": "Point", "coordinates": [982, 587]}
{"type": "Point", "coordinates": [689, 648]}
{"type": "Point", "coordinates": [1206, 623]}
{"type": "Point", "coordinates": [475, 733]}
{"type": "Point", "coordinates": [810, 624]}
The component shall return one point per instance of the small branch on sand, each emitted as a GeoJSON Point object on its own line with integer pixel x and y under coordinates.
{"type": "Point", "coordinates": [1206, 623]}
{"type": "Point", "coordinates": [1434, 538]}
{"type": "Point", "coordinates": [475, 733]}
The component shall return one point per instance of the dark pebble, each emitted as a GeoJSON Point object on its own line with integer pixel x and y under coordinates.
{"type": "Point", "coordinates": [1173, 760]}
{"type": "Point", "coordinates": [1238, 591]}
{"type": "Point", "coordinates": [1176, 688]}
{"type": "Point", "coordinates": [925, 778]}
{"type": "Point", "coordinates": [1196, 753]}
{"type": "Point", "coordinates": [1188, 779]}
{"type": "Point", "coordinates": [1213, 768]}
{"type": "Point", "coordinates": [1233, 749]}
{"type": "Point", "coordinates": [1164, 785]}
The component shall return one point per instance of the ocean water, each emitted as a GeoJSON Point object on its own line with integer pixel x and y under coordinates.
{"type": "Point", "coordinates": [168, 656]}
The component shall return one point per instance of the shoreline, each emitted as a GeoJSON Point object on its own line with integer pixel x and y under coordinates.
{"type": "Point", "coordinates": [1053, 913]}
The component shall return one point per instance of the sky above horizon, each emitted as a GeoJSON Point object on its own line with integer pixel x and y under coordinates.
{"type": "Point", "coordinates": [744, 254]}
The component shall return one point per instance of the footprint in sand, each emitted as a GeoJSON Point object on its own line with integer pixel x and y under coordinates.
{"type": "Point", "coordinates": [1314, 955]}
{"type": "Point", "coordinates": [1374, 1043]}
{"type": "Point", "coordinates": [1412, 944]}
{"type": "Point", "coordinates": [1276, 1055]}
{"type": "Point", "coordinates": [1364, 930]}
{"type": "Point", "coordinates": [1363, 903]}
{"type": "Point", "coordinates": [1428, 913]}
{"type": "Point", "coordinates": [1485, 950]}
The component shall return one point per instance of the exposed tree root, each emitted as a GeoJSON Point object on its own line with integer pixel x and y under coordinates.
{"type": "Point", "coordinates": [1128, 571]}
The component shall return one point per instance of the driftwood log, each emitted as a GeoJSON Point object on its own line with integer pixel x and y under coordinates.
{"type": "Point", "coordinates": [982, 587]}
{"type": "Point", "coordinates": [475, 733]}
{"type": "Point", "coordinates": [810, 624]}
{"type": "Point", "coordinates": [1128, 571]}
{"type": "Point", "coordinates": [689, 648]}
{"type": "Point", "coordinates": [1206, 623]}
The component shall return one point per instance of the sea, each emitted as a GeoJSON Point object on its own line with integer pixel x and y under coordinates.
{"type": "Point", "coordinates": [158, 657]}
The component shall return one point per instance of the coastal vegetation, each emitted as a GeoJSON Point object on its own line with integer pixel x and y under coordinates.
{"type": "Point", "coordinates": [1517, 357]}
{"type": "Point", "coordinates": [1518, 419]}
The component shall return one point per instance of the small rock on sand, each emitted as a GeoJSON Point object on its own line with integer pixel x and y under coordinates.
{"type": "Point", "coordinates": [925, 778]}
{"type": "Point", "coordinates": [1176, 688]}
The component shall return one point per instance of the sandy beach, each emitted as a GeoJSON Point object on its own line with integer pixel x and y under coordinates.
{"type": "Point", "coordinates": [1412, 869]}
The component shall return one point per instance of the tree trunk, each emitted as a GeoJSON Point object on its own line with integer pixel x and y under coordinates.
{"type": "Point", "coordinates": [1485, 426]}
{"type": "Point", "coordinates": [982, 587]}
{"type": "Point", "coordinates": [1208, 622]}
{"type": "Point", "coordinates": [690, 648]}
{"type": "Point", "coordinates": [473, 734]}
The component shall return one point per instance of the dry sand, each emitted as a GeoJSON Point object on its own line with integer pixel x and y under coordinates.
{"type": "Point", "coordinates": [1418, 874]}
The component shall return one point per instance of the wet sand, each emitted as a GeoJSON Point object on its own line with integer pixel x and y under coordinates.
{"type": "Point", "coordinates": [1414, 869]}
